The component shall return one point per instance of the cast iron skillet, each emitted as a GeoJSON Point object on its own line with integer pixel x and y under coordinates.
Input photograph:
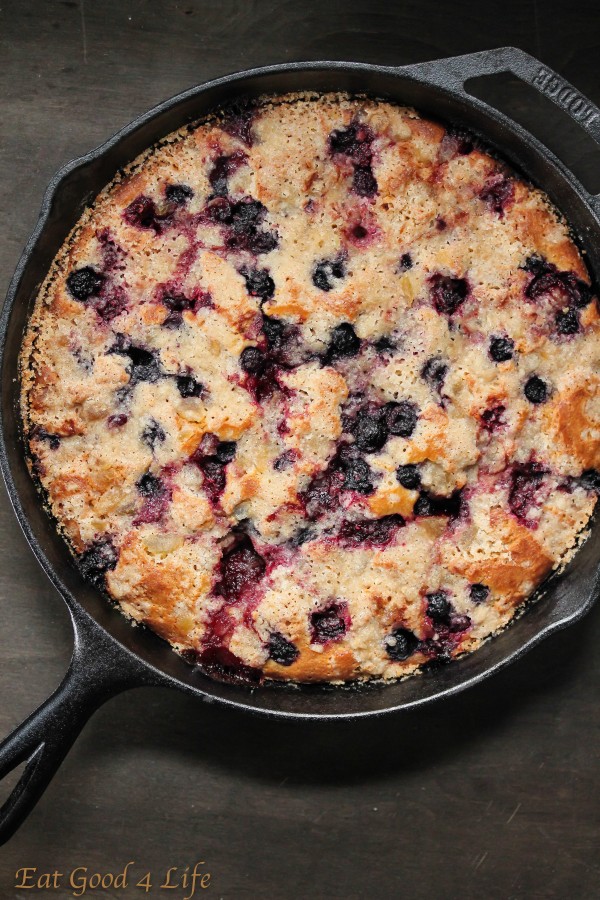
{"type": "Point", "coordinates": [109, 655]}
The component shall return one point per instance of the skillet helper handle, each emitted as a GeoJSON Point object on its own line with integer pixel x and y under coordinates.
{"type": "Point", "coordinates": [99, 670]}
{"type": "Point", "coordinates": [456, 71]}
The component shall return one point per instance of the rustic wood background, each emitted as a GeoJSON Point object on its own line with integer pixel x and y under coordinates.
{"type": "Point", "coordinates": [492, 794]}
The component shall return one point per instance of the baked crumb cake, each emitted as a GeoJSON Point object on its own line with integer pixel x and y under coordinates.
{"type": "Point", "coordinates": [312, 391]}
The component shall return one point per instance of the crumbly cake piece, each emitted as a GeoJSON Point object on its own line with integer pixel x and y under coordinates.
{"type": "Point", "coordinates": [312, 391]}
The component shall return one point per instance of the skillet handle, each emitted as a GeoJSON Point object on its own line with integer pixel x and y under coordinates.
{"type": "Point", "coordinates": [454, 72]}
{"type": "Point", "coordinates": [99, 669]}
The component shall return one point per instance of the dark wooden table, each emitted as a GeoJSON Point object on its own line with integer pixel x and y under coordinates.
{"type": "Point", "coordinates": [491, 794]}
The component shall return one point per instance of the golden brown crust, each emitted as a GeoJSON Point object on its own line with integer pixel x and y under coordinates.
{"type": "Point", "coordinates": [514, 561]}
{"type": "Point", "coordinates": [572, 423]}
{"type": "Point", "coordinates": [332, 664]}
{"type": "Point", "coordinates": [314, 391]}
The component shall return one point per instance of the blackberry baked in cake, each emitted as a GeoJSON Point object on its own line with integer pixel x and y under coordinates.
{"type": "Point", "coordinates": [311, 391]}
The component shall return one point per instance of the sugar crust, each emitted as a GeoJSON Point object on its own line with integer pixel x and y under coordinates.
{"type": "Point", "coordinates": [167, 572]}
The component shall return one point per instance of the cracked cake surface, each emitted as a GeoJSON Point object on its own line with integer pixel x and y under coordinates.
{"type": "Point", "coordinates": [311, 390]}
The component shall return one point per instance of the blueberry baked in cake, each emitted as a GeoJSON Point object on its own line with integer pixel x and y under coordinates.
{"type": "Point", "coordinates": [311, 391]}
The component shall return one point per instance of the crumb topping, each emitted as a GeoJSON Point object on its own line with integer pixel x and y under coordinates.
{"type": "Point", "coordinates": [312, 391]}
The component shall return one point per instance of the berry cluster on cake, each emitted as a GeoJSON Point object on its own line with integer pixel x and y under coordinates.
{"type": "Point", "coordinates": [311, 391]}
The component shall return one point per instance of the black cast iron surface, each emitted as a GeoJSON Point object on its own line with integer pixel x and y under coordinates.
{"type": "Point", "coordinates": [94, 658]}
